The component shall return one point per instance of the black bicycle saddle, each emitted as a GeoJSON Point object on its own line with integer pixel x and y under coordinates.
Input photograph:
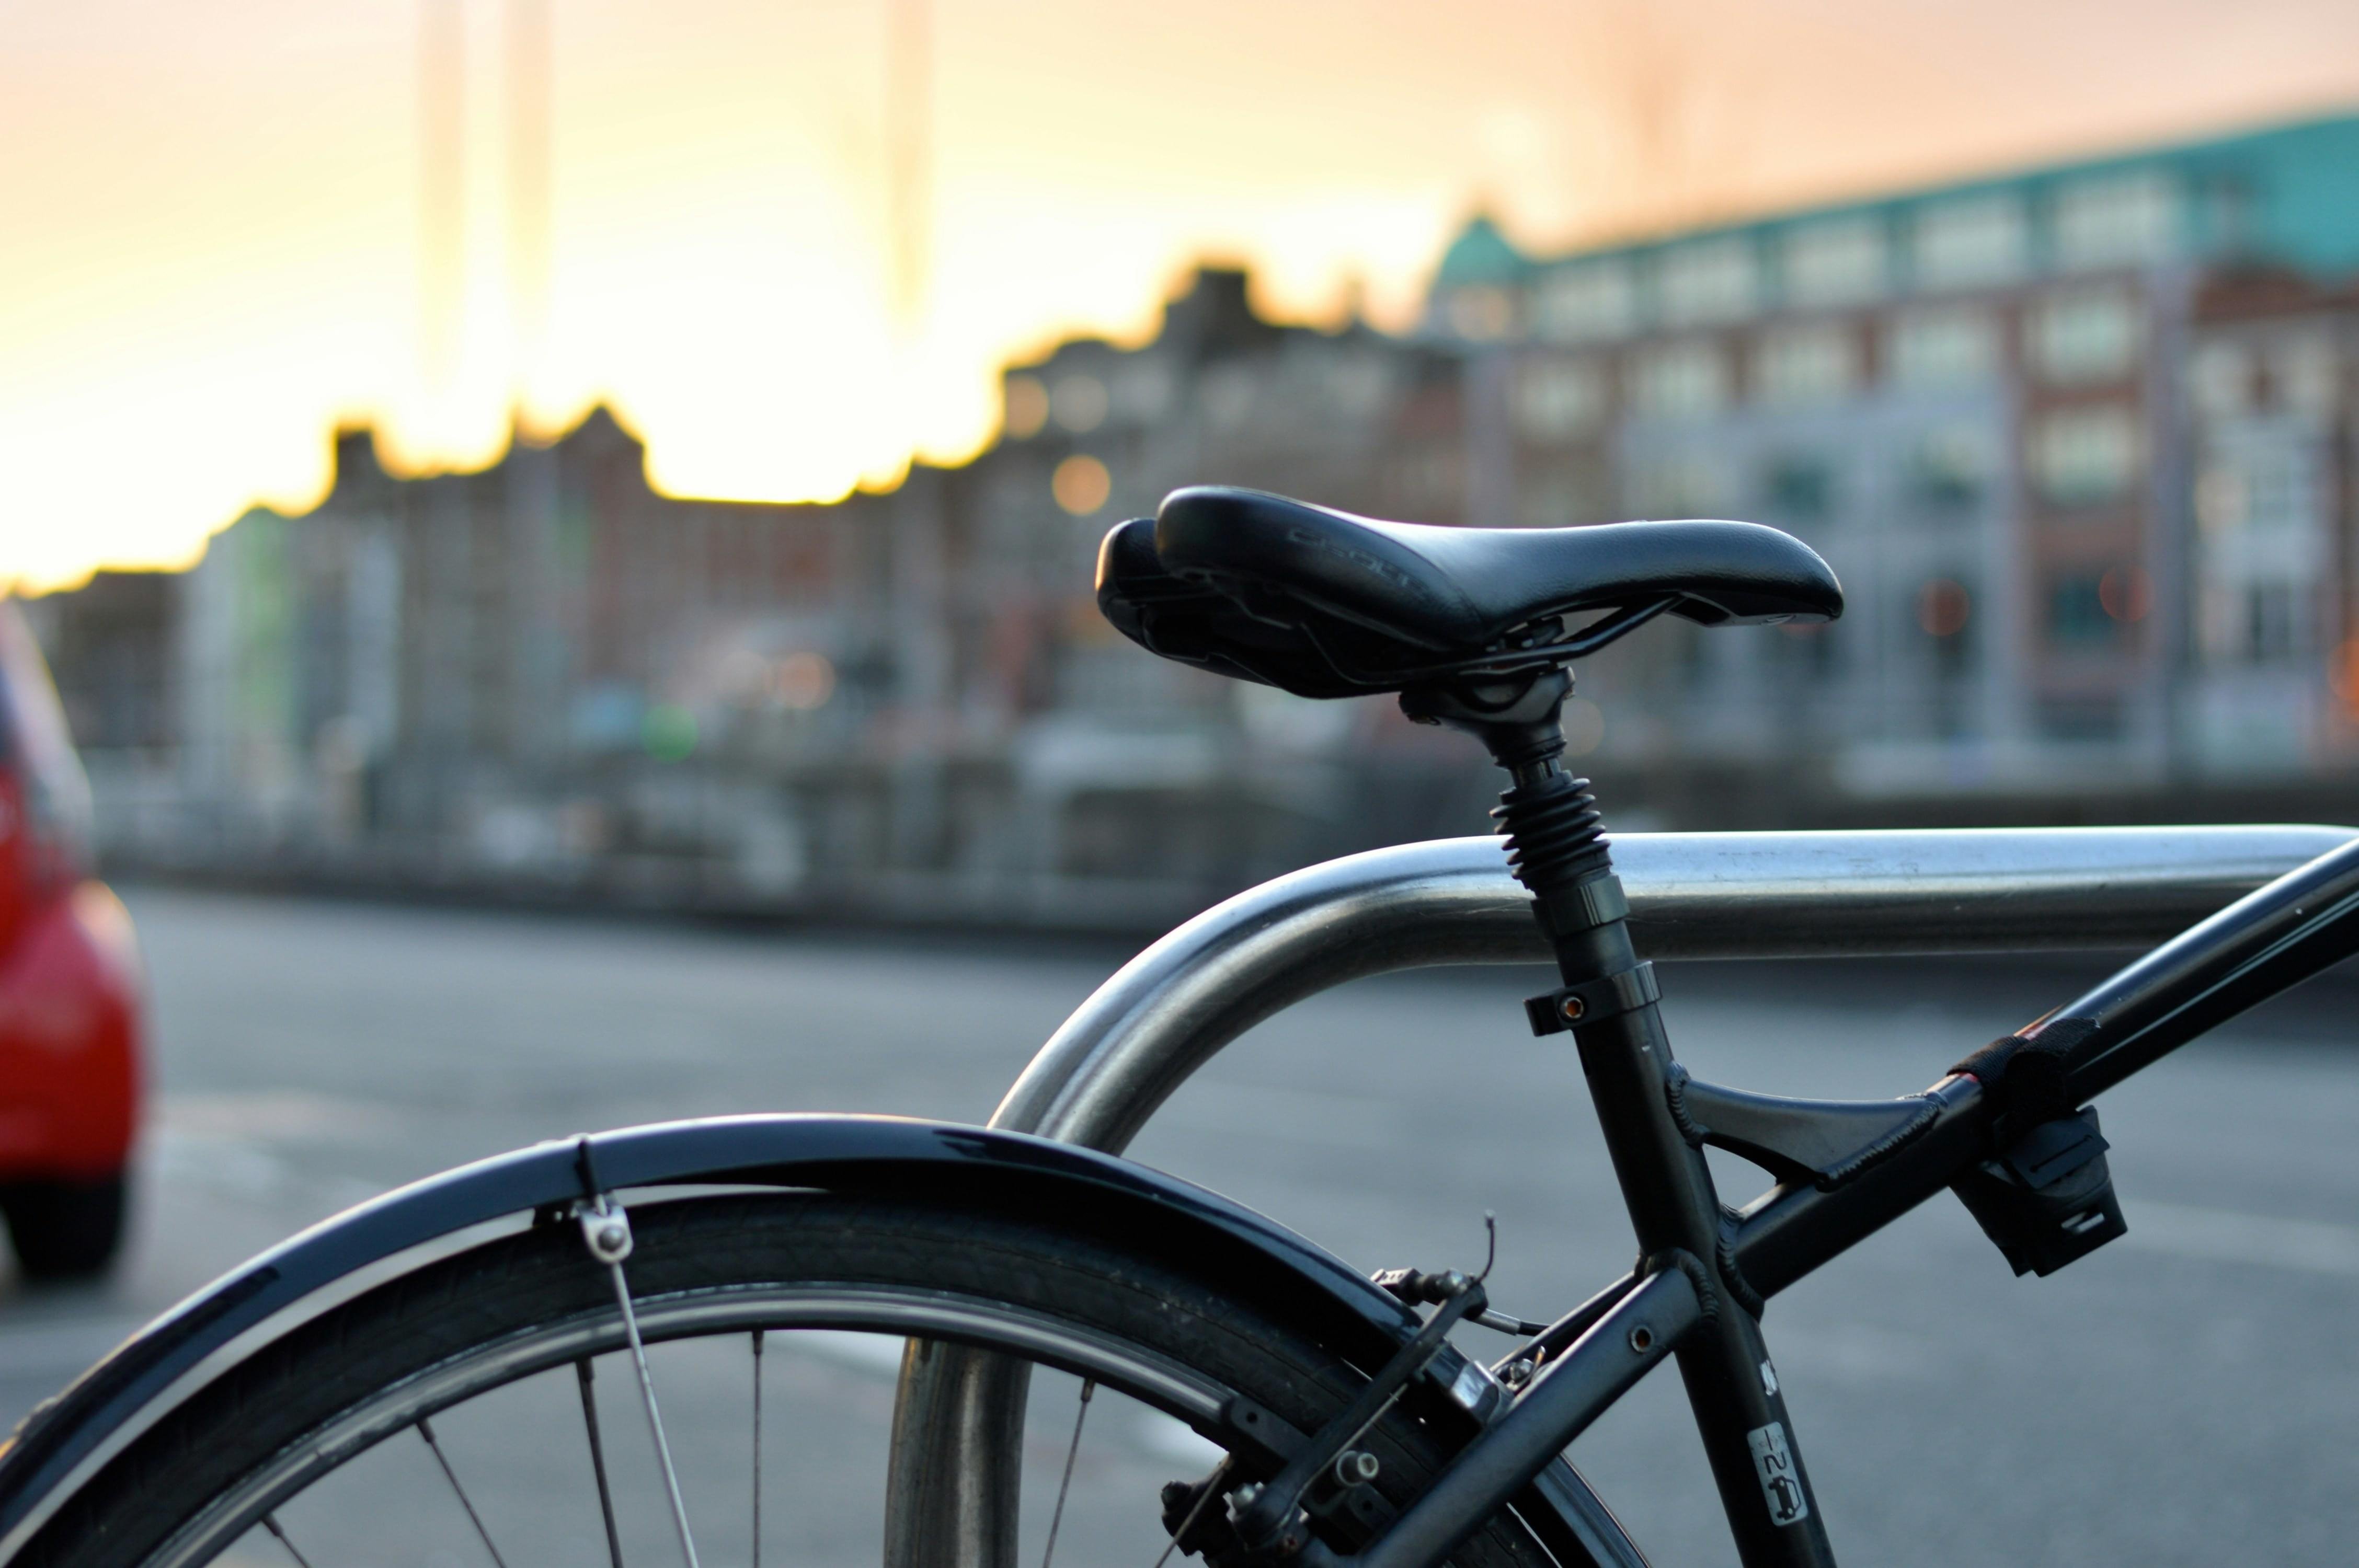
{"type": "Point", "coordinates": [1322, 603]}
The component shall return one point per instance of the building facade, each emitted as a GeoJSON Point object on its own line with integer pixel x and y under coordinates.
{"type": "Point", "coordinates": [2080, 442]}
{"type": "Point", "coordinates": [546, 678]}
{"type": "Point", "coordinates": [1980, 401]}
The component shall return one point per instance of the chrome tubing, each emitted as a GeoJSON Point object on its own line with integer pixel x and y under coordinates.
{"type": "Point", "coordinates": [1450, 900]}
{"type": "Point", "coordinates": [1693, 895]}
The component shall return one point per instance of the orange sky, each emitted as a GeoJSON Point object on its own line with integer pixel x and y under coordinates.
{"type": "Point", "coordinates": [209, 224]}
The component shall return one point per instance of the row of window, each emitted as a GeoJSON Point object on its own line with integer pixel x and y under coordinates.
{"type": "Point", "coordinates": [1146, 391]}
{"type": "Point", "coordinates": [2265, 488]}
{"type": "Point", "coordinates": [2297, 374]}
{"type": "Point", "coordinates": [2077, 337]}
{"type": "Point", "coordinates": [1944, 476]}
{"type": "Point", "coordinates": [2254, 622]}
{"type": "Point", "coordinates": [2074, 458]}
{"type": "Point", "coordinates": [1973, 240]}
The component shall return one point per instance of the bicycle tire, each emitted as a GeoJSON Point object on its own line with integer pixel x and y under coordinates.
{"type": "Point", "coordinates": [458, 1328]}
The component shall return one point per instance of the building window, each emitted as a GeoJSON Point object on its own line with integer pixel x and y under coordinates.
{"type": "Point", "coordinates": [1481, 313]}
{"type": "Point", "coordinates": [2220, 379]}
{"type": "Point", "coordinates": [2220, 498]}
{"type": "Point", "coordinates": [1078, 402]}
{"type": "Point", "coordinates": [1228, 394]}
{"type": "Point", "coordinates": [1944, 609]}
{"type": "Point", "coordinates": [1359, 385]}
{"type": "Point", "coordinates": [2256, 623]}
{"type": "Point", "coordinates": [2304, 375]}
{"type": "Point", "coordinates": [1585, 302]}
{"type": "Point", "coordinates": [1708, 280]}
{"type": "Point", "coordinates": [2267, 486]}
{"type": "Point", "coordinates": [1950, 471]}
{"type": "Point", "coordinates": [1556, 399]}
{"type": "Point", "coordinates": [1680, 484]}
{"type": "Point", "coordinates": [1144, 392]}
{"type": "Point", "coordinates": [2080, 718]}
{"type": "Point", "coordinates": [1028, 405]}
{"type": "Point", "coordinates": [2269, 622]}
{"type": "Point", "coordinates": [1799, 487]}
{"type": "Point", "coordinates": [2282, 490]}
{"type": "Point", "coordinates": [2084, 457]}
{"type": "Point", "coordinates": [1808, 364]}
{"type": "Point", "coordinates": [1970, 240]}
{"type": "Point", "coordinates": [1839, 261]}
{"type": "Point", "coordinates": [2076, 613]}
{"type": "Point", "coordinates": [1682, 381]}
{"type": "Point", "coordinates": [2117, 220]}
{"type": "Point", "coordinates": [1944, 348]}
{"type": "Point", "coordinates": [2089, 334]}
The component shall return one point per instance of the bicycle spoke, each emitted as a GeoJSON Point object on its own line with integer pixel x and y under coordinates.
{"type": "Point", "coordinates": [427, 1432]}
{"type": "Point", "coordinates": [1080, 1415]}
{"type": "Point", "coordinates": [270, 1523]}
{"type": "Point", "coordinates": [598, 1462]}
{"type": "Point", "coordinates": [757, 1448]}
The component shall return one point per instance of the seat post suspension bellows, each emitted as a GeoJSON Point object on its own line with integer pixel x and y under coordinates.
{"type": "Point", "coordinates": [1550, 821]}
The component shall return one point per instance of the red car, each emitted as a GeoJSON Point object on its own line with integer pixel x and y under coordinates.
{"type": "Point", "coordinates": [70, 1013]}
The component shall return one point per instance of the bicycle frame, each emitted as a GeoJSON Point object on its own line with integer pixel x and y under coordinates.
{"type": "Point", "coordinates": [1140, 1037]}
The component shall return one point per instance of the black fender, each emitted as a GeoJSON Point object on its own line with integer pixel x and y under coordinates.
{"type": "Point", "coordinates": [1174, 1221]}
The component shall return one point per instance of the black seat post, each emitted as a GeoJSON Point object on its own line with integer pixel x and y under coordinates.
{"type": "Point", "coordinates": [1557, 847]}
{"type": "Point", "coordinates": [1555, 840]}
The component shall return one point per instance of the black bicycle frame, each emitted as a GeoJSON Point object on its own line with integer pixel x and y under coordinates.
{"type": "Point", "coordinates": [1706, 1271]}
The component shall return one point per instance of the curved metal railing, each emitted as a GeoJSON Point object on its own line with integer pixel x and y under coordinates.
{"type": "Point", "coordinates": [1693, 895]}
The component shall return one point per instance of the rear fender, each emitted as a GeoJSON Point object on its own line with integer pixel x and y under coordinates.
{"type": "Point", "coordinates": [1183, 1226]}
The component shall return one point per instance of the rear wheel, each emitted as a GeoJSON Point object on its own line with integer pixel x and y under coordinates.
{"type": "Point", "coordinates": [64, 1229]}
{"type": "Point", "coordinates": [483, 1411]}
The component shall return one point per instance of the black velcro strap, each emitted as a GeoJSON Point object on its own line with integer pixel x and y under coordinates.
{"type": "Point", "coordinates": [1587, 904]}
{"type": "Point", "coordinates": [1594, 1000]}
{"type": "Point", "coordinates": [2030, 1078]}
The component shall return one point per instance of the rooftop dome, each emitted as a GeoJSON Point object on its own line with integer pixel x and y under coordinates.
{"type": "Point", "coordinates": [1480, 254]}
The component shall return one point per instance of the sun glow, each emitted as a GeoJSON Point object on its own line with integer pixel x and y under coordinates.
{"type": "Point", "coordinates": [210, 239]}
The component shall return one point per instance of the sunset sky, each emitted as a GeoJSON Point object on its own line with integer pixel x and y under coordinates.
{"type": "Point", "coordinates": [210, 211]}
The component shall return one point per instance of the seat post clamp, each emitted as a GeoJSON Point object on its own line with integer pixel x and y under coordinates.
{"type": "Point", "coordinates": [1588, 904]}
{"type": "Point", "coordinates": [1610, 996]}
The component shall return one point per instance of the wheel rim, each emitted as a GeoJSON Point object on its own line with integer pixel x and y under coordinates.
{"type": "Point", "coordinates": [881, 1313]}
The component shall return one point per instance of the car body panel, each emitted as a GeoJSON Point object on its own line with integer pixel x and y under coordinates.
{"type": "Point", "coordinates": [69, 1028]}
{"type": "Point", "coordinates": [72, 1013]}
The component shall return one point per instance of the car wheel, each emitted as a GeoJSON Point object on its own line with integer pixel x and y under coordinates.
{"type": "Point", "coordinates": [64, 1229]}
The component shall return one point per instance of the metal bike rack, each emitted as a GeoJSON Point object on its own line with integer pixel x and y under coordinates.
{"type": "Point", "coordinates": [1693, 895]}
{"type": "Point", "coordinates": [1450, 900]}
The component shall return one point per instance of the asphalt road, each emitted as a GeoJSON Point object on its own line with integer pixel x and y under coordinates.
{"type": "Point", "coordinates": [2184, 1396]}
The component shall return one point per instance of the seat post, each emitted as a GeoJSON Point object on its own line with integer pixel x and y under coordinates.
{"type": "Point", "coordinates": [1556, 844]}
{"type": "Point", "coordinates": [1557, 847]}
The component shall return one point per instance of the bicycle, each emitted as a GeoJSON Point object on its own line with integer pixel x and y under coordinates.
{"type": "Point", "coordinates": [1313, 1416]}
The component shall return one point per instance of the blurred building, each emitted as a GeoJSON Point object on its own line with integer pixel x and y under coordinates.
{"type": "Point", "coordinates": [429, 677]}
{"type": "Point", "coordinates": [109, 644]}
{"type": "Point", "coordinates": [1998, 406]}
{"type": "Point", "coordinates": [547, 679]}
{"type": "Point", "coordinates": [2272, 385]}
{"type": "Point", "coordinates": [2079, 441]}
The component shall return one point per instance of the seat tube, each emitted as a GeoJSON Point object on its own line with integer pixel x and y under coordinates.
{"type": "Point", "coordinates": [1557, 847]}
{"type": "Point", "coordinates": [1740, 1412]}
